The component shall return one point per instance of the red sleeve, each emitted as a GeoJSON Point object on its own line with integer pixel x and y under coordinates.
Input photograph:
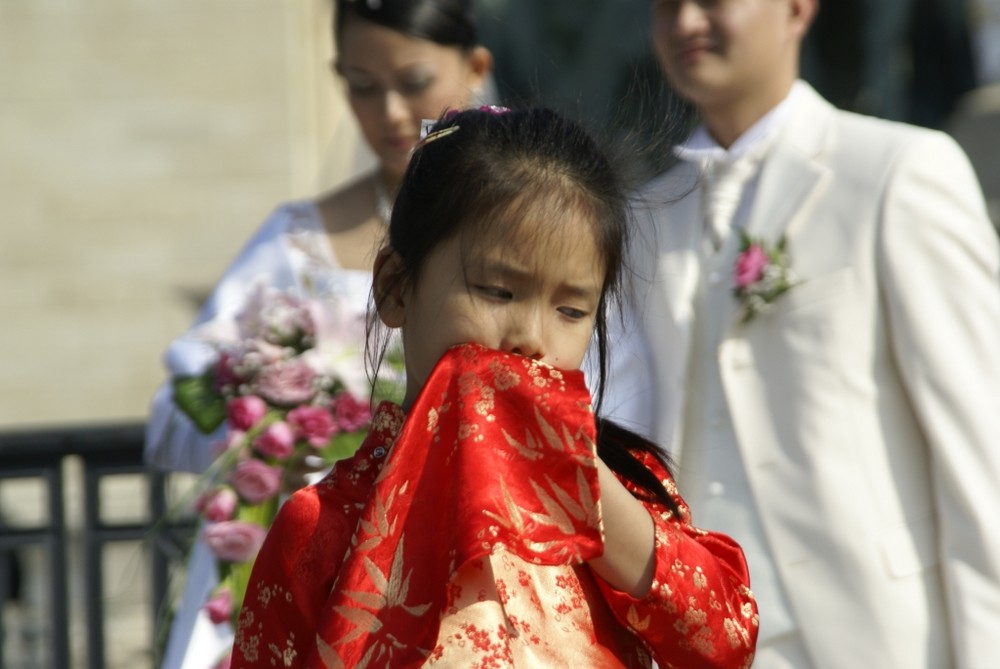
{"type": "Point", "coordinates": [699, 612]}
{"type": "Point", "coordinates": [298, 563]}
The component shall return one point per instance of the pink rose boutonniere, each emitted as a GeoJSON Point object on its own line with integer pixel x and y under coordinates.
{"type": "Point", "coordinates": [761, 274]}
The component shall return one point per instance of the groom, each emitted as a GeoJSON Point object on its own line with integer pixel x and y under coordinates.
{"type": "Point", "coordinates": [847, 432]}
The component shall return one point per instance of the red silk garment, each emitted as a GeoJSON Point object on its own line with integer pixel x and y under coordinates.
{"type": "Point", "coordinates": [459, 537]}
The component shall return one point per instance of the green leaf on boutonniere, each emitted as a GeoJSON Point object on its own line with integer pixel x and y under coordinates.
{"type": "Point", "coordinates": [196, 397]}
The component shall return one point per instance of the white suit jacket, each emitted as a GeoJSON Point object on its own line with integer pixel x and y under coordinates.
{"type": "Point", "coordinates": [866, 402]}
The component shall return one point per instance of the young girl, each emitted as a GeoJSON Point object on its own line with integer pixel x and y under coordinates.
{"type": "Point", "coordinates": [479, 525]}
{"type": "Point", "coordinates": [399, 61]}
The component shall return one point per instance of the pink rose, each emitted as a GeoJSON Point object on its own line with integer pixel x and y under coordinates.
{"type": "Point", "coordinates": [245, 412]}
{"type": "Point", "coordinates": [314, 424]}
{"type": "Point", "coordinates": [220, 607]}
{"type": "Point", "coordinates": [218, 504]}
{"type": "Point", "coordinates": [227, 373]}
{"type": "Point", "coordinates": [287, 383]}
{"type": "Point", "coordinates": [286, 320]}
{"type": "Point", "coordinates": [277, 440]}
{"type": "Point", "coordinates": [351, 413]}
{"type": "Point", "coordinates": [258, 354]}
{"type": "Point", "coordinates": [256, 481]}
{"type": "Point", "coordinates": [750, 266]}
{"type": "Point", "coordinates": [233, 540]}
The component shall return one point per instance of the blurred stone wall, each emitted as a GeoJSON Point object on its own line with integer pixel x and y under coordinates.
{"type": "Point", "coordinates": [141, 143]}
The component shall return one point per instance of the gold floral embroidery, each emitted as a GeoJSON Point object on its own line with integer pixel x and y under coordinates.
{"type": "Point", "coordinates": [466, 430]}
{"type": "Point", "coordinates": [530, 449]}
{"type": "Point", "coordinates": [533, 490]}
{"type": "Point", "coordinates": [390, 591]}
{"type": "Point", "coordinates": [285, 655]}
{"type": "Point", "coordinates": [485, 405]}
{"type": "Point", "coordinates": [247, 643]}
{"type": "Point", "coordinates": [380, 528]}
{"type": "Point", "coordinates": [264, 596]}
{"type": "Point", "coordinates": [702, 641]}
{"type": "Point", "coordinates": [695, 615]}
{"type": "Point", "coordinates": [504, 378]}
{"type": "Point", "coordinates": [635, 622]}
{"type": "Point", "coordinates": [535, 373]}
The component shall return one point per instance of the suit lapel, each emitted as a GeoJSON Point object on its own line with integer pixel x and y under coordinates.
{"type": "Point", "coordinates": [793, 174]}
{"type": "Point", "coordinates": [786, 184]}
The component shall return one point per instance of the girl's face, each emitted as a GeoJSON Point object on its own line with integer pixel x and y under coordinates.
{"type": "Point", "coordinates": [536, 296]}
{"type": "Point", "coordinates": [394, 81]}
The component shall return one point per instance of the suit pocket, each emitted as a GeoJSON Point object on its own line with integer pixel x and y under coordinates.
{"type": "Point", "coordinates": [910, 549]}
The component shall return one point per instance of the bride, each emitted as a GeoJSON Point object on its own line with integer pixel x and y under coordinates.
{"type": "Point", "coordinates": [400, 61]}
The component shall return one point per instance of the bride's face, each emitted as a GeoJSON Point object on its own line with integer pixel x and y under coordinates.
{"type": "Point", "coordinates": [393, 81]}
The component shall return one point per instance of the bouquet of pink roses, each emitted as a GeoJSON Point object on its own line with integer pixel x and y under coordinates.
{"type": "Point", "coordinates": [289, 383]}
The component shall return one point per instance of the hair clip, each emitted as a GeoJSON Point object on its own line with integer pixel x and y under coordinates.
{"type": "Point", "coordinates": [436, 135]}
{"type": "Point", "coordinates": [426, 124]}
{"type": "Point", "coordinates": [426, 136]}
{"type": "Point", "coordinates": [425, 127]}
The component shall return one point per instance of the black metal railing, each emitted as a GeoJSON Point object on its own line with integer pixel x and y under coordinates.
{"type": "Point", "coordinates": [74, 544]}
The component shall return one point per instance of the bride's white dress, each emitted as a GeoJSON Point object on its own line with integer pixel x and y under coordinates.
{"type": "Point", "coordinates": [290, 251]}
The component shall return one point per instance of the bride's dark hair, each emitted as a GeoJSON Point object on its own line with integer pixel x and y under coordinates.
{"type": "Point", "coordinates": [445, 22]}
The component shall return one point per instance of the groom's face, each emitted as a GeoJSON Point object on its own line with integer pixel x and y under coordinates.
{"type": "Point", "coordinates": [715, 51]}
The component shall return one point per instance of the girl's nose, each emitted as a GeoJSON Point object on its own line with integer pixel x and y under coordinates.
{"type": "Point", "coordinates": [525, 337]}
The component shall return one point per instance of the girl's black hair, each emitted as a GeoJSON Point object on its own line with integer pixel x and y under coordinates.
{"type": "Point", "coordinates": [479, 170]}
{"type": "Point", "coordinates": [445, 22]}
{"type": "Point", "coordinates": [615, 445]}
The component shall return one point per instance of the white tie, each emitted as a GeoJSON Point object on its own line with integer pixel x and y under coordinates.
{"type": "Point", "coordinates": [725, 181]}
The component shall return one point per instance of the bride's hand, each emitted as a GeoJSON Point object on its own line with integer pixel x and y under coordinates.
{"type": "Point", "coordinates": [302, 470]}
